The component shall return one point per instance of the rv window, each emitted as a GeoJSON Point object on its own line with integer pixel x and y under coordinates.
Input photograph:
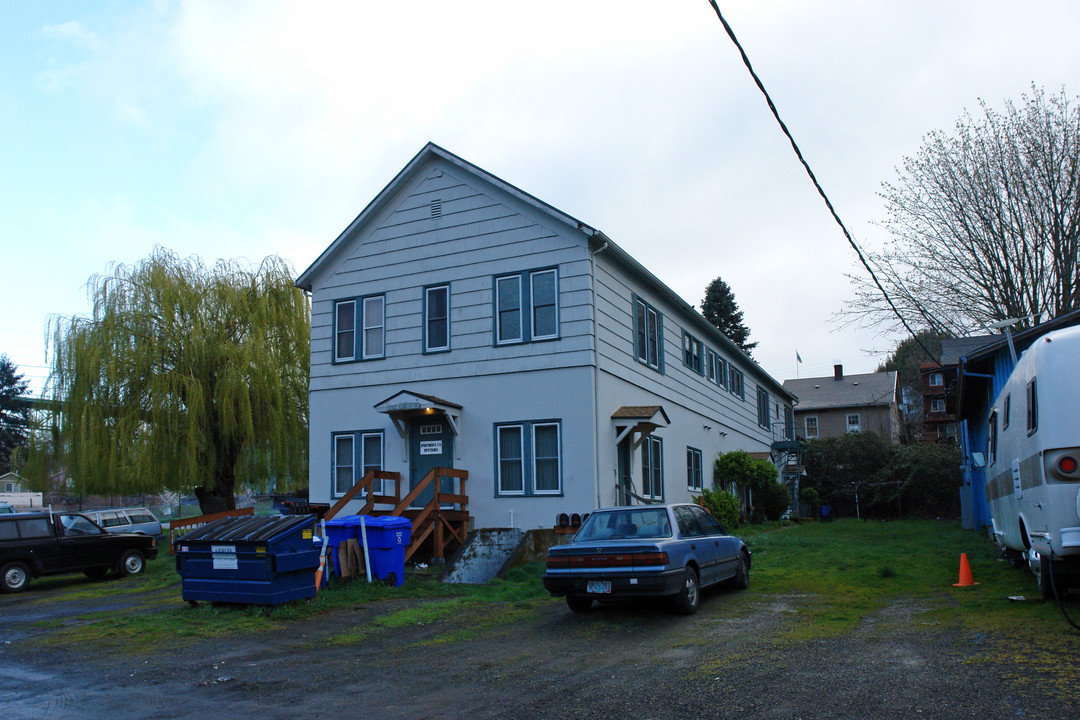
{"type": "Point", "coordinates": [1032, 407]}
{"type": "Point", "coordinates": [991, 438]}
{"type": "Point", "coordinates": [1005, 412]}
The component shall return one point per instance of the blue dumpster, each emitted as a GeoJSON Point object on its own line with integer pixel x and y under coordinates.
{"type": "Point", "coordinates": [256, 560]}
{"type": "Point", "coordinates": [387, 538]}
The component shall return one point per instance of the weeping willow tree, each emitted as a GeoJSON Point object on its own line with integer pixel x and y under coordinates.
{"type": "Point", "coordinates": [184, 378]}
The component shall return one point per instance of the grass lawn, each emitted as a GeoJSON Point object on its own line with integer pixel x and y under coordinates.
{"type": "Point", "coordinates": [835, 574]}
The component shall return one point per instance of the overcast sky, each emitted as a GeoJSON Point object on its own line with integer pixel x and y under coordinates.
{"type": "Point", "coordinates": [244, 129]}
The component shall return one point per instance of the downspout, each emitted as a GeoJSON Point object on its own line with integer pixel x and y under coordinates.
{"type": "Point", "coordinates": [596, 364]}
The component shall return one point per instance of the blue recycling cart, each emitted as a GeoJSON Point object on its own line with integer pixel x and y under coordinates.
{"type": "Point", "coordinates": [387, 538]}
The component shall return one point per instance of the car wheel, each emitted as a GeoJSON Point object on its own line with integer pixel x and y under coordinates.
{"type": "Point", "coordinates": [132, 562]}
{"type": "Point", "coordinates": [741, 581]}
{"type": "Point", "coordinates": [14, 577]}
{"type": "Point", "coordinates": [578, 604]}
{"type": "Point", "coordinates": [95, 573]}
{"type": "Point", "coordinates": [688, 599]}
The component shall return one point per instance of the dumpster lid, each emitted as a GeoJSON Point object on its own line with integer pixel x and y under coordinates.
{"type": "Point", "coordinates": [248, 528]}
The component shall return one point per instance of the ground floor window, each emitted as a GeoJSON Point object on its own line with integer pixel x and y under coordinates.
{"type": "Point", "coordinates": [693, 469]}
{"type": "Point", "coordinates": [652, 468]}
{"type": "Point", "coordinates": [355, 454]}
{"type": "Point", "coordinates": [528, 458]}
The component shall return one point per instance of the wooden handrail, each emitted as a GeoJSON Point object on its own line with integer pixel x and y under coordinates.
{"type": "Point", "coordinates": [365, 482]}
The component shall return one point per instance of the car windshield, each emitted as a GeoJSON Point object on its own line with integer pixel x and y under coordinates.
{"type": "Point", "coordinates": [628, 523]}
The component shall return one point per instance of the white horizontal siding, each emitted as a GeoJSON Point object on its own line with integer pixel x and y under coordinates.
{"type": "Point", "coordinates": [475, 239]}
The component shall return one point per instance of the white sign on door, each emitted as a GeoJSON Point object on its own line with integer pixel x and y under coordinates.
{"type": "Point", "coordinates": [431, 447]}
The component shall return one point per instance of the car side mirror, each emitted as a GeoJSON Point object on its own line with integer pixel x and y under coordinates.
{"type": "Point", "coordinates": [978, 460]}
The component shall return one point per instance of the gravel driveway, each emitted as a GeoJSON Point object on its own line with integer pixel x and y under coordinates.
{"type": "Point", "coordinates": [741, 656]}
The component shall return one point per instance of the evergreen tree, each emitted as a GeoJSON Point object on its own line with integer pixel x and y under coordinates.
{"type": "Point", "coordinates": [14, 412]}
{"type": "Point", "coordinates": [720, 309]}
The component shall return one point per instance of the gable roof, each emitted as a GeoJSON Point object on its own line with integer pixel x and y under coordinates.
{"type": "Point", "coordinates": [598, 242]}
{"type": "Point", "coordinates": [865, 390]}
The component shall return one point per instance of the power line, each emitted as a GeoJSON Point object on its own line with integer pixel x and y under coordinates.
{"type": "Point", "coordinates": [813, 178]}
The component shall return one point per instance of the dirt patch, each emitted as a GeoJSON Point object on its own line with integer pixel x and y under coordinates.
{"type": "Point", "coordinates": [536, 659]}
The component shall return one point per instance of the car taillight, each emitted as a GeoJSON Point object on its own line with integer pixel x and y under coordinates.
{"type": "Point", "coordinates": [606, 560]}
{"type": "Point", "coordinates": [558, 563]}
{"type": "Point", "coordinates": [1067, 464]}
{"type": "Point", "coordinates": [653, 558]}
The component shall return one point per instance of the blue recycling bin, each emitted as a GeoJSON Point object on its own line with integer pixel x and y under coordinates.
{"type": "Point", "coordinates": [387, 538]}
{"type": "Point", "coordinates": [258, 560]}
{"type": "Point", "coordinates": [337, 532]}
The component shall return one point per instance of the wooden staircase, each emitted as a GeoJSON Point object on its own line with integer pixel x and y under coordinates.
{"type": "Point", "coordinates": [445, 518]}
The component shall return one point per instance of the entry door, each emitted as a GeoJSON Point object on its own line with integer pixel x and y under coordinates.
{"type": "Point", "coordinates": [431, 445]}
{"type": "Point", "coordinates": [623, 452]}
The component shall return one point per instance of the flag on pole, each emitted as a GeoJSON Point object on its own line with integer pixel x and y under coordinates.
{"type": "Point", "coordinates": [797, 356]}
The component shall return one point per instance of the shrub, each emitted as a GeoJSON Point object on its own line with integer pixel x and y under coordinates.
{"type": "Point", "coordinates": [773, 499]}
{"type": "Point", "coordinates": [723, 506]}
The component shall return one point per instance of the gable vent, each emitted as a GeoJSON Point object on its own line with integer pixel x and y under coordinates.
{"type": "Point", "coordinates": [436, 208]}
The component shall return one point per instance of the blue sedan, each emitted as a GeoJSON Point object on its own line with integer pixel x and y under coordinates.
{"type": "Point", "coordinates": [645, 551]}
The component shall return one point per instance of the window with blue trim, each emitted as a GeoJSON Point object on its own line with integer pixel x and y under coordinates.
{"type": "Point", "coordinates": [693, 469]}
{"type": "Point", "coordinates": [353, 455]}
{"type": "Point", "coordinates": [648, 334]}
{"type": "Point", "coordinates": [527, 306]}
{"type": "Point", "coordinates": [359, 328]}
{"type": "Point", "coordinates": [652, 468]}
{"type": "Point", "coordinates": [763, 408]}
{"type": "Point", "coordinates": [693, 353]}
{"type": "Point", "coordinates": [437, 318]}
{"type": "Point", "coordinates": [528, 458]}
{"type": "Point", "coordinates": [735, 382]}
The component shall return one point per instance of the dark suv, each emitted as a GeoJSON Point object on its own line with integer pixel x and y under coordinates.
{"type": "Point", "coordinates": [36, 544]}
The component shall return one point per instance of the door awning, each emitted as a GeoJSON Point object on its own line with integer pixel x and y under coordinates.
{"type": "Point", "coordinates": [408, 404]}
{"type": "Point", "coordinates": [639, 419]}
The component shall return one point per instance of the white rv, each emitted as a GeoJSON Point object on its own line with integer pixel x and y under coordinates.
{"type": "Point", "coordinates": [1033, 461]}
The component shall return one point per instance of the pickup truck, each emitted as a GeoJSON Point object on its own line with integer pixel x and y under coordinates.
{"type": "Point", "coordinates": [38, 544]}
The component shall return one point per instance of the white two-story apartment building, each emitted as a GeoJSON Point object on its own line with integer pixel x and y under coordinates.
{"type": "Point", "coordinates": [461, 322]}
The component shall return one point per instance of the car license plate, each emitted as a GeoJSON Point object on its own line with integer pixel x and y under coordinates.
{"type": "Point", "coordinates": [598, 586]}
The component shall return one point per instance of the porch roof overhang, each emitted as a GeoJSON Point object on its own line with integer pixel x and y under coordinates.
{"type": "Point", "coordinates": [408, 404]}
{"type": "Point", "coordinates": [640, 419]}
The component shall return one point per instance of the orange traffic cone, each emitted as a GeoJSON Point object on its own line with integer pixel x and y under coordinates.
{"type": "Point", "coordinates": [965, 573]}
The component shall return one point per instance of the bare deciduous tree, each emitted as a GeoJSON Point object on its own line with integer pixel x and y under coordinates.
{"type": "Point", "coordinates": [985, 223]}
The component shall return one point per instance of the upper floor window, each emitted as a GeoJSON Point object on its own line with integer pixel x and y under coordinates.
{"type": "Point", "coordinates": [359, 328]}
{"type": "Point", "coordinates": [437, 318]}
{"type": "Point", "coordinates": [693, 352]}
{"type": "Point", "coordinates": [936, 379]}
{"type": "Point", "coordinates": [854, 422]}
{"type": "Point", "coordinates": [648, 324]}
{"type": "Point", "coordinates": [710, 365]}
{"type": "Point", "coordinates": [735, 382]}
{"type": "Point", "coordinates": [937, 405]}
{"type": "Point", "coordinates": [721, 372]}
{"type": "Point", "coordinates": [1032, 407]}
{"type": "Point", "coordinates": [810, 428]}
{"type": "Point", "coordinates": [763, 408]}
{"type": "Point", "coordinates": [526, 307]}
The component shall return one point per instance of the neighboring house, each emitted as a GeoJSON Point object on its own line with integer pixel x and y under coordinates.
{"type": "Point", "coordinates": [939, 384]}
{"type": "Point", "coordinates": [831, 406]}
{"type": "Point", "coordinates": [10, 483]}
{"type": "Point", "coordinates": [461, 322]}
{"type": "Point", "coordinates": [983, 372]}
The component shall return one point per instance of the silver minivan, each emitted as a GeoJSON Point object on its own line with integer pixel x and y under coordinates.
{"type": "Point", "coordinates": [137, 520]}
